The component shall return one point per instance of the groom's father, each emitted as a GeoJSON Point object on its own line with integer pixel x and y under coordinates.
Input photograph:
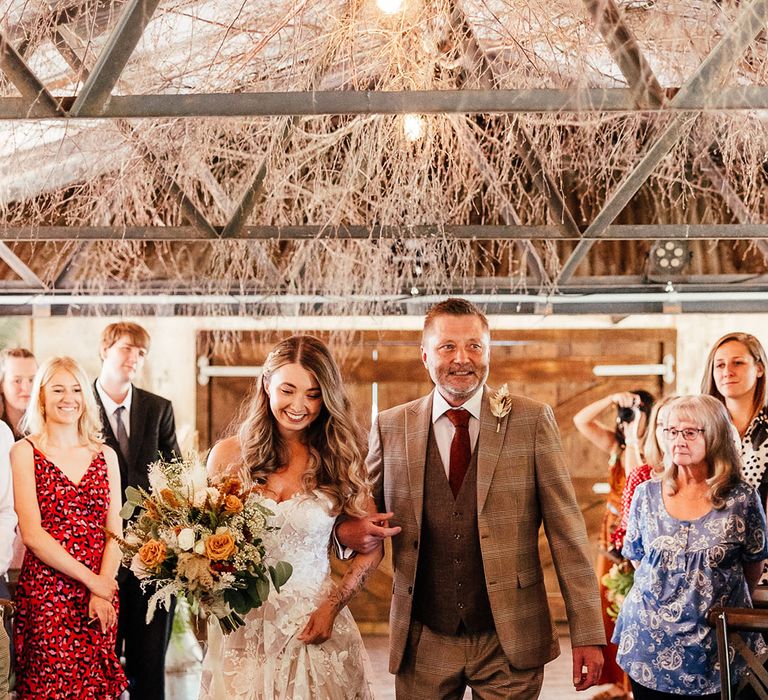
{"type": "Point", "coordinates": [470, 491]}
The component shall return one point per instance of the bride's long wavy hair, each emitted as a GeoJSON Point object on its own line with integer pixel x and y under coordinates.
{"type": "Point", "coordinates": [337, 449]}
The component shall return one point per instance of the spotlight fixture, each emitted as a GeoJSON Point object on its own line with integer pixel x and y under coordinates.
{"type": "Point", "coordinates": [669, 258]}
{"type": "Point", "coordinates": [413, 127]}
{"type": "Point", "coordinates": [390, 7]}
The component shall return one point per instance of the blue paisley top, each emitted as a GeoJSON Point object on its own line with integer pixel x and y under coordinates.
{"type": "Point", "coordinates": [686, 568]}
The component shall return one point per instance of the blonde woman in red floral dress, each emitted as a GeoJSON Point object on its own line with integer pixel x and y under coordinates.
{"type": "Point", "coordinates": [66, 491]}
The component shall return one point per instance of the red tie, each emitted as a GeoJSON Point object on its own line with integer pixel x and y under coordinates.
{"type": "Point", "coordinates": [460, 448]}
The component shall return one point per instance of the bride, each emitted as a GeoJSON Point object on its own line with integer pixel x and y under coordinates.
{"type": "Point", "coordinates": [299, 444]}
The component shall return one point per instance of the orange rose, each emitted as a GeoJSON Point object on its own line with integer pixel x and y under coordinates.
{"type": "Point", "coordinates": [152, 554]}
{"type": "Point", "coordinates": [220, 546]}
{"type": "Point", "coordinates": [232, 504]}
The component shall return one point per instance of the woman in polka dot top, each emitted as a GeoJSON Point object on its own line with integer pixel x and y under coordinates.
{"type": "Point", "coordinates": [735, 374]}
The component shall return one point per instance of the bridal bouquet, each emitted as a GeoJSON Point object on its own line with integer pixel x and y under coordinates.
{"type": "Point", "coordinates": [200, 539]}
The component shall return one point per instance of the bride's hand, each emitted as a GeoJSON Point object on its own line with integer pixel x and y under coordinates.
{"type": "Point", "coordinates": [320, 624]}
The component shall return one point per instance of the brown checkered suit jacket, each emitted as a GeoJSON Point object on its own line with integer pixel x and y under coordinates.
{"type": "Point", "coordinates": [522, 481]}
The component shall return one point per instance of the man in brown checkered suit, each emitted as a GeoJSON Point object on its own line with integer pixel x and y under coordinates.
{"type": "Point", "coordinates": [465, 492]}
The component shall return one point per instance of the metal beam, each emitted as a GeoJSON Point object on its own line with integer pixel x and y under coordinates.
{"type": "Point", "coordinates": [97, 90]}
{"type": "Point", "coordinates": [751, 20]}
{"type": "Point", "coordinates": [732, 199]}
{"type": "Point", "coordinates": [20, 267]}
{"type": "Point", "coordinates": [35, 96]}
{"type": "Point", "coordinates": [483, 73]}
{"type": "Point", "coordinates": [252, 194]}
{"type": "Point", "coordinates": [329, 102]}
{"type": "Point", "coordinates": [625, 50]}
{"type": "Point", "coordinates": [615, 232]}
{"type": "Point", "coordinates": [188, 209]}
{"type": "Point", "coordinates": [170, 303]}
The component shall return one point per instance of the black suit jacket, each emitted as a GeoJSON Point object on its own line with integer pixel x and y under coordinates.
{"type": "Point", "coordinates": [153, 435]}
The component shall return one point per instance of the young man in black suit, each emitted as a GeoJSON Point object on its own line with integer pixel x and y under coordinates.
{"type": "Point", "coordinates": [140, 427]}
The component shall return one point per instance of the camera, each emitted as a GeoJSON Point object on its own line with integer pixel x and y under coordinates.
{"type": "Point", "coordinates": [626, 414]}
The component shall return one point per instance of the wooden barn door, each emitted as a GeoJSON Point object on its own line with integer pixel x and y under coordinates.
{"type": "Point", "coordinates": [383, 369]}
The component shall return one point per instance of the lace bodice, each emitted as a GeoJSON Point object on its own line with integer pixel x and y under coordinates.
{"type": "Point", "coordinates": [305, 524]}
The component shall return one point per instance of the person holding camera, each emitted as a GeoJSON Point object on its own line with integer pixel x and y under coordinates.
{"type": "Point", "coordinates": [622, 441]}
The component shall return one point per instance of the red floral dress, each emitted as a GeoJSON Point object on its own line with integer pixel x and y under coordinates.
{"type": "Point", "coordinates": [58, 654]}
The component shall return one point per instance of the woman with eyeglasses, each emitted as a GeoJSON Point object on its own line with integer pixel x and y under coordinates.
{"type": "Point", "coordinates": [735, 375]}
{"type": "Point", "coordinates": [696, 536]}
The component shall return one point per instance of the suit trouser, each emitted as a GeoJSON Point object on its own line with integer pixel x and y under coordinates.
{"type": "Point", "coordinates": [143, 645]}
{"type": "Point", "coordinates": [440, 667]}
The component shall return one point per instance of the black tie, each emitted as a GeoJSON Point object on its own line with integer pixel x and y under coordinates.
{"type": "Point", "coordinates": [121, 435]}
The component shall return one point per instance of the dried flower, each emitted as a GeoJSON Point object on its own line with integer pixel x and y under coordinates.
{"type": "Point", "coordinates": [152, 510]}
{"type": "Point", "coordinates": [232, 486]}
{"type": "Point", "coordinates": [196, 570]}
{"type": "Point", "coordinates": [501, 404]}
{"type": "Point", "coordinates": [169, 498]}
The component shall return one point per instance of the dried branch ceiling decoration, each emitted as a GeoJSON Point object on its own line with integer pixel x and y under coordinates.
{"type": "Point", "coordinates": [362, 156]}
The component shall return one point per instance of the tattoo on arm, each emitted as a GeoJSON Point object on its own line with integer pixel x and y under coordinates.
{"type": "Point", "coordinates": [353, 582]}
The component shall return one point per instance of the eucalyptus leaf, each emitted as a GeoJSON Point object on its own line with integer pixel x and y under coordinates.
{"type": "Point", "coordinates": [262, 587]}
{"type": "Point", "coordinates": [280, 573]}
{"type": "Point", "coordinates": [133, 495]}
{"type": "Point", "coordinates": [126, 512]}
{"type": "Point", "coordinates": [237, 601]}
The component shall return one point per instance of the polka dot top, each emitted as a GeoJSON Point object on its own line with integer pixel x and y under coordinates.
{"type": "Point", "coordinates": [754, 450]}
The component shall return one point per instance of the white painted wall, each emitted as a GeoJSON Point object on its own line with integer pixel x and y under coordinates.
{"type": "Point", "coordinates": [171, 368]}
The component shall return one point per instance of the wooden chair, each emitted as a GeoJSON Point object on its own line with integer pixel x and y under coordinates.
{"type": "Point", "coordinates": [726, 621]}
{"type": "Point", "coordinates": [6, 610]}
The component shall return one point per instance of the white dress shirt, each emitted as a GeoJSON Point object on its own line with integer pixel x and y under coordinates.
{"type": "Point", "coordinates": [110, 407]}
{"type": "Point", "coordinates": [444, 430]}
{"type": "Point", "coordinates": [8, 518]}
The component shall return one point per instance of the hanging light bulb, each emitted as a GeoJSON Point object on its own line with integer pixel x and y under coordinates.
{"type": "Point", "coordinates": [413, 127]}
{"type": "Point", "coordinates": [390, 7]}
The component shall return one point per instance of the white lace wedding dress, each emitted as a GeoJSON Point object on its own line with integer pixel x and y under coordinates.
{"type": "Point", "coordinates": [264, 660]}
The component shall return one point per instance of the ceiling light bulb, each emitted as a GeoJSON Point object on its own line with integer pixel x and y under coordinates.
{"type": "Point", "coordinates": [413, 127]}
{"type": "Point", "coordinates": [390, 7]}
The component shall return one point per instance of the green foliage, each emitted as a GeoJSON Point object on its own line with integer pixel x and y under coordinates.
{"type": "Point", "coordinates": [618, 582]}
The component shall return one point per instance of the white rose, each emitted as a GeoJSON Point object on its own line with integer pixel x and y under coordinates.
{"type": "Point", "coordinates": [213, 493]}
{"type": "Point", "coordinates": [199, 547]}
{"type": "Point", "coordinates": [186, 539]}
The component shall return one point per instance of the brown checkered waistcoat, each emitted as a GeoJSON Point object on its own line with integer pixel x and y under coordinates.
{"type": "Point", "coordinates": [522, 481]}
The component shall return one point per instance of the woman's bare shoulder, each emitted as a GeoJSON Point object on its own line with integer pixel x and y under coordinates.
{"type": "Point", "coordinates": [225, 456]}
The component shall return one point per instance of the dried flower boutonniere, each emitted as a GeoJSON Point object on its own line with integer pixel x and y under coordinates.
{"type": "Point", "coordinates": [501, 404]}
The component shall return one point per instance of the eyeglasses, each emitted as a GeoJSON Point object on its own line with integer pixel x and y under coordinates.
{"type": "Point", "coordinates": [687, 433]}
